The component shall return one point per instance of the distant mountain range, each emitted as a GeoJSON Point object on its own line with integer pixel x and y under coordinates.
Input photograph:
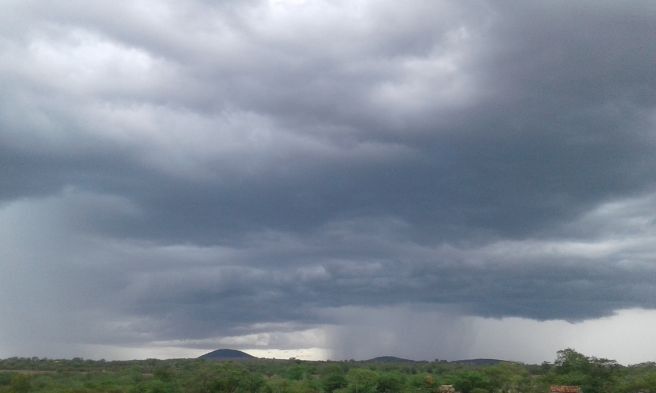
{"type": "Point", "coordinates": [233, 354]}
{"type": "Point", "coordinates": [468, 362]}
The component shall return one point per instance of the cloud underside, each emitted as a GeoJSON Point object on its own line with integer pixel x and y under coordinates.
{"type": "Point", "coordinates": [197, 172]}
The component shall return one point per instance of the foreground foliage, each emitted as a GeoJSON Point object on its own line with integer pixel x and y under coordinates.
{"type": "Point", "coordinates": [22, 375]}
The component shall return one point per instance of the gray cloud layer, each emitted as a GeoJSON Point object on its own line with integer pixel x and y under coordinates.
{"type": "Point", "coordinates": [192, 171]}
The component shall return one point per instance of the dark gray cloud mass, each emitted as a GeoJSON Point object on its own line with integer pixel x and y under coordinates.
{"type": "Point", "coordinates": [190, 171]}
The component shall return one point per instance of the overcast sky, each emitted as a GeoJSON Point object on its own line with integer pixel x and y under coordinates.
{"type": "Point", "coordinates": [328, 179]}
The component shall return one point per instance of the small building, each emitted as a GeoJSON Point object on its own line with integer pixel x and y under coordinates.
{"type": "Point", "coordinates": [565, 389]}
{"type": "Point", "coordinates": [447, 389]}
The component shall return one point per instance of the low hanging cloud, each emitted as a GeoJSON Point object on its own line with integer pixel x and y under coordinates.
{"type": "Point", "coordinates": [251, 172]}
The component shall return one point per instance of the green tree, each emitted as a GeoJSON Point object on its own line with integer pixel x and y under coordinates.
{"type": "Point", "coordinates": [390, 382]}
{"type": "Point", "coordinates": [467, 381]}
{"type": "Point", "coordinates": [568, 361]}
{"type": "Point", "coordinates": [362, 380]}
{"type": "Point", "coordinates": [20, 383]}
{"type": "Point", "coordinates": [333, 380]}
{"type": "Point", "coordinates": [594, 375]}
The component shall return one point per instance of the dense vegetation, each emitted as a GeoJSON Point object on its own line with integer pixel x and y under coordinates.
{"type": "Point", "coordinates": [21, 375]}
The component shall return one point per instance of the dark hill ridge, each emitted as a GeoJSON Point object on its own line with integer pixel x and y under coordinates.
{"type": "Point", "coordinates": [479, 362]}
{"type": "Point", "coordinates": [467, 362]}
{"type": "Point", "coordinates": [233, 354]}
{"type": "Point", "coordinates": [226, 354]}
{"type": "Point", "coordinates": [389, 359]}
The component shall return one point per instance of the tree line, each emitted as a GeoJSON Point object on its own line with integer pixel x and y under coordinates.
{"type": "Point", "coordinates": [593, 375]}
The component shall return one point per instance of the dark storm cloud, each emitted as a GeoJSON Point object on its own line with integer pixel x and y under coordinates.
{"type": "Point", "coordinates": [218, 167]}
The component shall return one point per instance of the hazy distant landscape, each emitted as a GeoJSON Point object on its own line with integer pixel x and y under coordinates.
{"type": "Point", "coordinates": [231, 371]}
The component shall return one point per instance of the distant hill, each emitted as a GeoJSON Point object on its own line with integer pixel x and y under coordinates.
{"type": "Point", "coordinates": [467, 362]}
{"type": "Point", "coordinates": [389, 359]}
{"type": "Point", "coordinates": [226, 354]}
{"type": "Point", "coordinates": [479, 362]}
{"type": "Point", "coordinates": [233, 354]}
